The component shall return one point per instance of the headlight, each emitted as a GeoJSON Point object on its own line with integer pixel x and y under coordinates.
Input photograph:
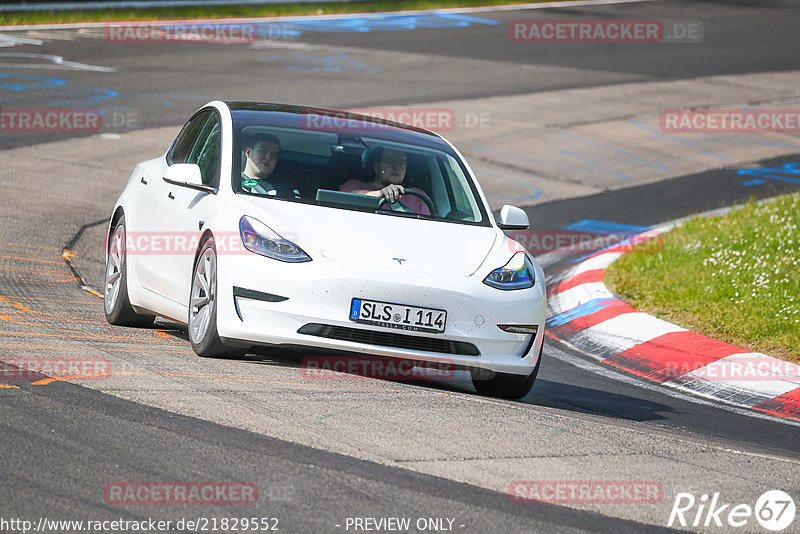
{"type": "Point", "coordinates": [259, 238]}
{"type": "Point", "coordinates": [516, 274]}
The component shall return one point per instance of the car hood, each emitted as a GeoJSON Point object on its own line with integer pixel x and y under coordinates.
{"type": "Point", "coordinates": [385, 241]}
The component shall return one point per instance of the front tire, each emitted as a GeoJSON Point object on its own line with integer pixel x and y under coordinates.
{"type": "Point", "coordinates": [506, 386]}
{"type": "Point", "coordinates": [203, 306]}
{"type": "Point", "coordinates": [116, 304]}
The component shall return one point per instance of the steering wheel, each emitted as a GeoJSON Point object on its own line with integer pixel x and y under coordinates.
{"type": "Point", "coordinates": [399, 206]}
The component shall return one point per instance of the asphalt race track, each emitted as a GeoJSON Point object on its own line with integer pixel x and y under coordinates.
{"type": "Point", "coordinates": [565, 131]}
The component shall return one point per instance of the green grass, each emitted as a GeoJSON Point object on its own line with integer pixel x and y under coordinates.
{"type": "Point", "coordinates": [734, 278]}
{"type": "Point", "coordinates": [226, 11]}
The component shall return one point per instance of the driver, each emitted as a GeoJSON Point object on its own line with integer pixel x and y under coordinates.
{"type": "Point", "coordinates": [262, 152]}
{"type": "Point", "coordinates": [389, 172]}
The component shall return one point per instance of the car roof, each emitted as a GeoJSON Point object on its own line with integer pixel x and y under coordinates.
{"type": "Point", "coordinates": [332, 120]}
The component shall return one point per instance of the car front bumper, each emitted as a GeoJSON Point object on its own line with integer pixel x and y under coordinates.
{"type": "Point", "coordinates": [263, 301]}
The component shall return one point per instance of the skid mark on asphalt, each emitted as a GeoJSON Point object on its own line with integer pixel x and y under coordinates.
{"type": "Point", "coordinates": [21, 258]}
{"type": "Point", "coordinates": [263, 380]}
{"type": "Point", "coordinates": [79, 335]}
{"type": "Point", "coordinates": [38, 271]}
{"type": "Point", "coordinates": [63, 280]}
{"type": "Point", "coordinates": [89, 302]}
{"type": "Point", "coordinates": [20, 312]}
{"type": "Point", "coordinates": [14, 318]}
{"type": "Point", "coordinates": [37, 247]}
{"type": "Point", "coordinates": [104, 349]}
{"type": "Point", "coordinates": [21, 307]}
{"type": "Point", "coordinates": [25, 321]}
{"type": "Point", "coordinates": [64, 318]}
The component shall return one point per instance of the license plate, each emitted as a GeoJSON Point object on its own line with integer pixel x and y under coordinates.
{"type": "Point", "coordinates": [398, 316]}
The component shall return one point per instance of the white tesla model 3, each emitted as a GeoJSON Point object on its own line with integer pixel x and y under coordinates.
{"type": "Point", "coordinates": [256, 252]}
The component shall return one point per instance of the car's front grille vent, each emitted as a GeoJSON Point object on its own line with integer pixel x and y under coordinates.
{"type": "Point", "coordinates": [389, 339]}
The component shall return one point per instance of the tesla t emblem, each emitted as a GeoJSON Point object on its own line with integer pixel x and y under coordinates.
{"type": "Point", "coordinates": [399, 260]}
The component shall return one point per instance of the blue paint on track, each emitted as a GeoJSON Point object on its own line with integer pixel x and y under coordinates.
{"type": "Point", "coordinates": [584, 310]}
{"type": "Point", "coordinates": [536, 191]}
{"type": "Point", "coordinates": [615, 150]}
{"type": "Point", "coordinates": [583, 167]}
{"type": "Point", "coordinates": [791, 169]}
{"type": "Point", "coordinates": [341, 62]}
{"type": "Point", "coordinates": [29, 82]}
{"type": "Point", "coordinates": [592, 161]}
{"type": "Point", "coordinates": [674, 139]}
{"type": "Point", "coordinates": [84, 96]}
{"type": "Point", "coordinates": [605, 227]}
{"type": "Point", "coordinates": [384, 22]}
{"type": "Point", "coordinates": [347, 24]}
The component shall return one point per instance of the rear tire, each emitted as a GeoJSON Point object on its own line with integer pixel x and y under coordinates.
{"type": "Point", "coordinates": [203, 306]}
{"type": "Point", "coordinates": [117, 305]}
{"type": "Point", "coordinates": [506, 386]}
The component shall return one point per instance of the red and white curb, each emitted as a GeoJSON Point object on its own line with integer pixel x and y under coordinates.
{"type": "Point", "coordinates": [586, 316]}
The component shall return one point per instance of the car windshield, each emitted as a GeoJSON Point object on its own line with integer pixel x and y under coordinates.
{"type": "Point", "coordinates": [341, 169]}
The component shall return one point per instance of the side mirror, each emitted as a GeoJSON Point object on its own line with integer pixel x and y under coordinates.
{"type": "Point", "coordinates": [187, 175]}
{"type": "Point", "coordinates": [513, 218]}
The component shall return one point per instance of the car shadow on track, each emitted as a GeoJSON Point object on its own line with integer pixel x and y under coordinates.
{"type": "Point", "coordinates": [546, 393]}
{"type": "Point", "coordinates": [171, 328]}
{"type": "Point", "coordinates": [297, 357]}
{"type": "Point", "coordinates": [594, 401]}
{"type": "Point", "coordinates": [332, 365]}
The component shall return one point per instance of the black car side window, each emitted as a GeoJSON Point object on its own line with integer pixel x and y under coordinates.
{"type": "Point", "coordinates": [181, 148]}
{"type": "Point", "coordinates": [207, 152]}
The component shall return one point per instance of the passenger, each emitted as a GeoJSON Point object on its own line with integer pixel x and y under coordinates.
{"type": "Point", "coordinates": [389, 172]}
{"type": "Point", "coordinates": [262, 151]}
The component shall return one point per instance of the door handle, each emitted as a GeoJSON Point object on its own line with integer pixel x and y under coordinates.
{"type": "Point", "coordinates": [171, 196]}
{"type": "Point", "coordinates": [143, 180]}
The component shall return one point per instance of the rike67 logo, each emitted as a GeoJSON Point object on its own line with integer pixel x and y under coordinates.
{"type": "Point", "coordinates": [774, 510]}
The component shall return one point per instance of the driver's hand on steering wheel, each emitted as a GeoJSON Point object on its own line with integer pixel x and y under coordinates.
{"type": "Point", "coordinates": [392, 192]}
